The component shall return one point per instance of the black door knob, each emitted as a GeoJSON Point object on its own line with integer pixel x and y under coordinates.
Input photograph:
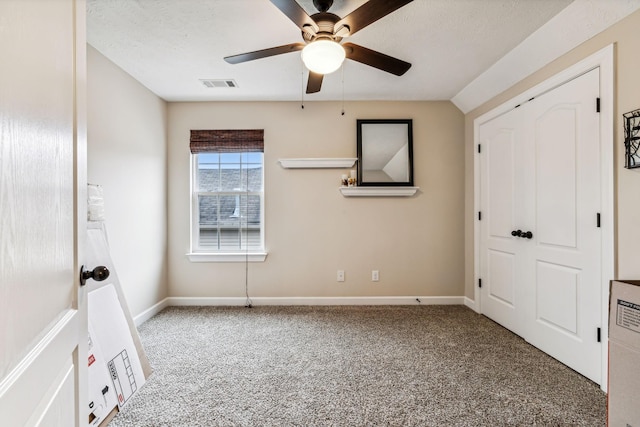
{"type": "Point", "coordinates": [516, 233]}
{"type": "Point", "coordinates": [98, 274]}
{"type": "Point", "coordinates": [527, 235]}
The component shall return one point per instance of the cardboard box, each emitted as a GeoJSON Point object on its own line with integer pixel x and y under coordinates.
{"type": "Point", "coordinates": [624, 354]}
{"type": "Point", "coordinates": [114, 343]}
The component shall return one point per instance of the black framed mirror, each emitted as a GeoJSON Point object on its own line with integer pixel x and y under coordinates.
{"type": "Point", "coordinates": [385, 152]}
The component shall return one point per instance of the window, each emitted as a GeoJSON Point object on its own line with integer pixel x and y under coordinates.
{"type": "Point", "coordinates": [227, 196]}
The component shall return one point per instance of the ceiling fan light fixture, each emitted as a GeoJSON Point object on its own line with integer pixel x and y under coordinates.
{"type": "Point", "coordinates": [323, 56]}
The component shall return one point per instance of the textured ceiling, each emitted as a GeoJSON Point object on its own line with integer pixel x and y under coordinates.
{"type": "Point", "coordinates": [169, 45]}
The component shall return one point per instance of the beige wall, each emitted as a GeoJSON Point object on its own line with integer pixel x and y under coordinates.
{"type": "Point", "coordinates": [626, 36]}
{"type": "Point", "coordinates": [311, 229]}
{"type": "Point", "coordinates": [127, 156]}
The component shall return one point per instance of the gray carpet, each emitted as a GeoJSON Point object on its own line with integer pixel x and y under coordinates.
{"type": "Point", "coordinates": [351, 366]}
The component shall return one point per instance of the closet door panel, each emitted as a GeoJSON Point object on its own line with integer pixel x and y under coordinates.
{"type": "Point", "coordinates": [556, 175]}
{"type": "Point", "coordinates": [499, 204]}
{"type": "Point", "coordinates": [565, 249]}
{"type": "Point", "coordinates": [557, 297]}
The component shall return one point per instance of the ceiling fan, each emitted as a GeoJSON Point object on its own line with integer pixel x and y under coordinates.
{"type": "Point", "coordinates": [323, 32]}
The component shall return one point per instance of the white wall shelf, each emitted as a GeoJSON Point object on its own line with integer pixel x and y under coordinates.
{"type": "Point", "coordinates": [378, 191]}
{"type": "Point", "coordinates": [316, 163]}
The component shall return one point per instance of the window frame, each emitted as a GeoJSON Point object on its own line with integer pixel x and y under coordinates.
{"type": "Point", "coordinates": [206, 254]}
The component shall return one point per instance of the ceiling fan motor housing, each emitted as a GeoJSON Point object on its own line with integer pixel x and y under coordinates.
{"type": "Point", "coordinates": [322, 5]}
{"type": "Point", "coordinates": [326, 22]}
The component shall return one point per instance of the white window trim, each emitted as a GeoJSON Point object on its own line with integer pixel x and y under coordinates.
{"type": "Point", "coordinates": [198, 254]}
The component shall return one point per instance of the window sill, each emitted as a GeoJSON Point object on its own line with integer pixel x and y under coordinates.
{"type": "Point", "coordinates": [227, 257]}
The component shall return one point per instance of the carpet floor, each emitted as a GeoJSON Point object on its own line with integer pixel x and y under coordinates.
{"type": "Point", "coordinates": [351, 366]}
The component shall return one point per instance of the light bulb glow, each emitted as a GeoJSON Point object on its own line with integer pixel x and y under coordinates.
{"type": "Point", "coordinates": [323, 56]}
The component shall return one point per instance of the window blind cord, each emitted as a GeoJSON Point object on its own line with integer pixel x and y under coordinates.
{"type": "Point", "coordinates": [248, 303]}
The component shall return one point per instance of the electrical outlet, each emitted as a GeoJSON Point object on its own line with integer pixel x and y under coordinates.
{"type": "Point", "coordinates": [375, 275]}
{"type": "Point", "coordinates": [340, 276]}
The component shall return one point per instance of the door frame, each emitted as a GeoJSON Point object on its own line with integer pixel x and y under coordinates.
{"type": "Point", "coordinates": [603, 59]}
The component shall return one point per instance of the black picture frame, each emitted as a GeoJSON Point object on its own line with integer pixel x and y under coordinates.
{"type": "Point", "coordinates": [385, 152]}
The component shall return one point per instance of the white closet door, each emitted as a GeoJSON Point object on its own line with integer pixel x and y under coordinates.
{"type": "Point", "coordinates": [500, 257]}
{"type": "Point", "coordinates": [562, 278]}
{"type": "Point", "coordinates": [540, 174]}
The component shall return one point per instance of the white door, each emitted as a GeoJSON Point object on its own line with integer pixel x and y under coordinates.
{"type": "Point", "coordinates": [43, 327]}
{"type": "Point", "coordinates": [501, 142]}
{"type": "Point", "coordinates": [541, 162]}
{"type": "Point", "coordinates": [563, 271]}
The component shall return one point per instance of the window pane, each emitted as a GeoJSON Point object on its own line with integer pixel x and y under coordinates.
{"type": "Point", "coordinates": [209, 177]}
{"type": "Point", "coordinates": [253, 157]}
{"type": "Point", "coordinates": [230, 157]}
{"type": "Point", "coordinates": [230, 211]}
{"type": "Point", "coordinates": [208, 214]}
{"type": "Point", "coordinates": [251, 236]}
{"type": "Point", "coordinates": [220, 221]}
{"type": "Point", "coordinates": [229, 222]}
{"type": "Point", "coordinates": [250, 222]}
{"type": "Point", "coordinates": [208, 171]}
{"type": "Point", "coordinates": [205, 158]}
{"type": "Point", "coordinates": [252, 210]}
{"type": "Point", "coordinates": [230, 177]}
{"type": "Point", "coordinates": [230, 238]}
{"type": "Point", "coordinates": [252, 177]}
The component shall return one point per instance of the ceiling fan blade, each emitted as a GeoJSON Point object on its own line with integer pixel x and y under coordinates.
{"type": "Point", "coordinates": [369, 13]}
{"type": "Point", "coordinates": [376, 59]}
{"type": "Point", "coordinates": [315, 82]}
{"type": "Point", "coordinates": [297, 14]}
{"type": "Point", "coordinates": [264, 53]}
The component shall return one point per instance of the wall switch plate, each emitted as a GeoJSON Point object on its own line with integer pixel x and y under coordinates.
{"type": "Point", "coordinates": [375, 275]}
{"type": "Point", "coordinates": [340, 276]}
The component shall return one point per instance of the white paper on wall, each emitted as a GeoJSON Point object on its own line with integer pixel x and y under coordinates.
{"type": "Point", "coordinates": [95, 203]}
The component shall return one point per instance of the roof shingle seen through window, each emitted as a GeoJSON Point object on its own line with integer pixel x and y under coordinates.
{"type": "Point", "coordinates": [234, 210]}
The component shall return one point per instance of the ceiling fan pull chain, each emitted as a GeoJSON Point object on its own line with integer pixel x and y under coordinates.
{"type": "Point", "coordinates": [342, 89]}
{"type": "Point", "coordinates": [302, 85]}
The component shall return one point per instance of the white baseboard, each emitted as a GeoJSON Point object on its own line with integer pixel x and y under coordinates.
{"type": "Point", "coordinates": [151, 311]}
{"type": "Point", "coordinates": [257, 301]}
{"type": "Point", "coordinates": [471, 304]}
{"type": "Point", "coordinates": [240, 301]}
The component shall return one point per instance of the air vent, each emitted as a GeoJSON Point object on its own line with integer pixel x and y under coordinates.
{"type": "Point", "coordinates": [219, 83]}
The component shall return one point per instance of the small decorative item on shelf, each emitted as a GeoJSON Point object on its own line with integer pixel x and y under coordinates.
{"type": "Point", "coordinates": [353, 179]}
{"type": "Point", "coordinates": [632, 139]}
{"type": "Point", "coordinates": [345, 180]}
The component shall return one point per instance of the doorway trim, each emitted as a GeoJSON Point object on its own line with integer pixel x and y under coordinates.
{"type": "Point", "coordinates": [603, 59]}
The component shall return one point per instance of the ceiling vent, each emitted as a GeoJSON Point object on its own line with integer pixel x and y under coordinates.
{"type": "Point", "coordinates": [219, 83]}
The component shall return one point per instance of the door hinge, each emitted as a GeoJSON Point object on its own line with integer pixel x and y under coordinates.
{"type": "Point", "coordinates": [598, 220]}
{"type": "Point", "coordinates": [599, 335]}
{"type": "Point", "coordinates": [597, 105]}
{"type": "Point", "coordinates": [479, 283]}
{"type": "Point", "coordinates": [479, 148]}
{"type": "Point", "coordinates": [479, 215]}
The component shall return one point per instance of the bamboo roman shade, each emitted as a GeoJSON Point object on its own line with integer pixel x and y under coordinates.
{"type": "Point", "coordinates": [226, 141]}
